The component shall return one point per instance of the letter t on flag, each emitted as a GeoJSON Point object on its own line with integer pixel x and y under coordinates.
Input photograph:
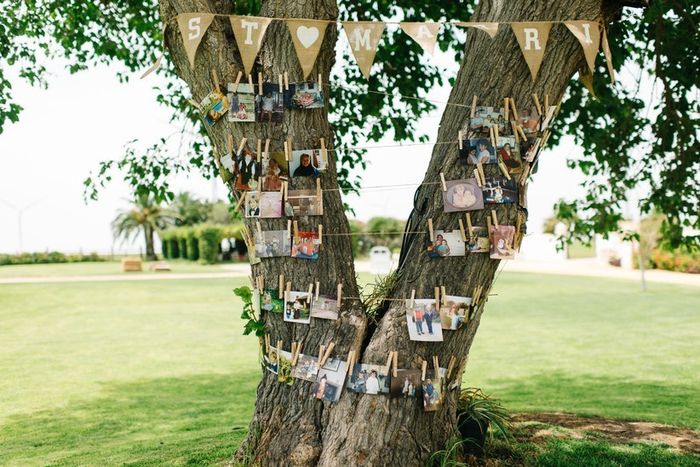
{"type": "Point", "coordinates": [364, 37]}
{"type": "Point", "coordinates": [423, 33]}
{"type": "Point", "coordinates": [249, 32]}
{"type": "Point", "coordinates": [532, 38]}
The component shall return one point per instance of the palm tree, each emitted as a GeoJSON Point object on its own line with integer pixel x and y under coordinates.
{"type": "Point", "coordinates": [144, 215]}
{"type": "Point", "coordinates": [188, 209]}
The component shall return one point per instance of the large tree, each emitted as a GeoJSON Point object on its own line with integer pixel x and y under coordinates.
{"type": "Point", "coordinates": [289, 425]}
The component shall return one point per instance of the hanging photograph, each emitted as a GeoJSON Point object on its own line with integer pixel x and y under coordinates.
{"type": "Point", "coordinates": [271, 302]}
{"type": "Point", "coordinates": [247, 170]}
{"type": "Point", "coordinates": [502, 238]}
{"type": "Point", "coordinates": [275, 171]}
{"type": "Point", "coordinates": [273, 243]}
{"type": "Point", "coordinates": [480, 150]}
{"type": "Point", "coordinates": [446, 243]}
{"type": "Point", "coordinates": [485, 118]}
{"type": "Point", "coordinates": [306, 245]}
{"type": "Point", "coordinates": [531, 148]}
{"type": "Point", "coordinates": [213, 107]}
{"type": "Point", "coordinates": [329, 383]}
{"type": "Point", "coordinates": [423, 320]}
{"type": "Point", "coordinates": [508, 151]}
{"type": "Point", "coordinates": [270, 360]}
{"type": "Point", "coordinates": [306, 96]}
{"type": "Point", "coordinates": [303, 203]}
{"type": "Point", "coordinates": [454, 311]}
{"type": "Point", "coordinates": [325, 307]}
{"type": "Point", "coordinates": [297, 306]}
{"type": "Point", "coordinates": [478, 240]}
{"type": "Point", "coordinates": [266, 204]}
{"type": "Point", "coordinates": [406, 383]}
{"type": "Point", "coordinates": [462, 195]}
{"type": "Point", "coordinates": [306, 368]}
{"type": "Point", "coordinates": [284, 367]}
{"type": "Point", "coordinates": [369, 379]}
{"type": "Point", "coordinates": [500, 190]}
{"type": "Point", "coordinates": [432, 391]}
{"type": "Point", "coordinates": [306, 163]}
{"type": "Point", "coordinates": [242, 99]}
{"type": "Point", "coordinates": [269, 107]}
{"type": "Point", "coordinates": [529, 120]}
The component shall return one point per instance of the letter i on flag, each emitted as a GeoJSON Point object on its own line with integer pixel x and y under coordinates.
{"type": "Point", "coordinates": [532, 38]}
{"type": "Point", "coordinates": [423, 33]}
{"type": "Point", "coordinates": [249, 32]}
{"type": "Point", "coordinates": [588, 34]}
{"type": "Point", "coordinates": [364, 37]}
{"type": "Point", "coordinates": [192, 27]}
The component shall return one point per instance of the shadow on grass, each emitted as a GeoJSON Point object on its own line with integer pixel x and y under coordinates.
{"type": "Point", "coordinates": [197, 420]}
{"type": "Point", "coordinates": [658, 401]}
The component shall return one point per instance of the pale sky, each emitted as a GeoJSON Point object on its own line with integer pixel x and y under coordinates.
{"type": "Point", "coordinates": [82, 119]}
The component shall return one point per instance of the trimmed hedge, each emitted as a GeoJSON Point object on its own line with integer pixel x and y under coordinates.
{"type": "Point", "coordinates": [198, 242]}
{"type": "Point", "coordinates": [48, 257]}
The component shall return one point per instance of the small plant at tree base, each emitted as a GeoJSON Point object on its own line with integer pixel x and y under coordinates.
{"type": "Point", "coordinates": [476, 412]}
{"type": "Point", "coordinates": [254, 323]}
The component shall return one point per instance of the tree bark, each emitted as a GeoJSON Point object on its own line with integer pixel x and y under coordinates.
{"type": "Point", "coordinates": [150, 250]}
{"type": "Point", "coordinates": [289, 426]}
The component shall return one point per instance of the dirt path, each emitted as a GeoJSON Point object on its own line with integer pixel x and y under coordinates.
{"type": "Point", "coordinates": [540, 426]}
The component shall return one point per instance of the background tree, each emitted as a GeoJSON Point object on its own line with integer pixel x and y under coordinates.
{"type": "Point", "coordinates": [144, 216]}
{"type": "Point", "coordinates": [383, 231]}
{"type": "Point", "coordinates": [188, 209]}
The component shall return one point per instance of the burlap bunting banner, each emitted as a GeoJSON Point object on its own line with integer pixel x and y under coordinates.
{"type": "Point", "coordinates": [532, 38]}
{"type": "Point", "coordinates": [364, 37]}
{"type": "Point", "coordinates": [489, 28]}
{"type": "Point", "coordinates": [192, 27]}
{"type": "Point", "coordinates": [588, 34]}
{"type": "Point", "coordinates": [608, 56]}
{"type": "Point", "coordinates": [249, 32]}
{"type": "Point", "coordinates": [423, 33]}
{"type": "Point", "coordinates": [307, 36]}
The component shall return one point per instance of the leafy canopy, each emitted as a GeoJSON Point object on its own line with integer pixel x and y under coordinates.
{"type": "Point", "coordinates": [631, 142]}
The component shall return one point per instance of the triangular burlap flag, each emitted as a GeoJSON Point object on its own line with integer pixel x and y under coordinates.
{"type": "Point", "coordinates": [586, 78]}
{"type": "Point", "coordinates": [532, 38]}
{"type": "Point", "coordinates": [490, 28]}
{"type": "Point", "coordinates": [307, 35]}
{"type": "Point", "coordinates": [364, 37]}
{"type": "Point", "coordinates": [588, 34]}
{"type": "Point", "coordinates": [608, 56]}
{"type": "Point", "coordinates": [423, 33]}
{"type": "Point", "coordinates": [249, 32]}
{"type": "Point", "coordinates": [192, 27]}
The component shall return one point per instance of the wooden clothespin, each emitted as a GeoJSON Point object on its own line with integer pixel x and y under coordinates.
{"type": "Point", "coordinates": [488, 223]}
{"type": "Point", "coordinates": [473, 109]}
{"type": "Point", "coordinates": [389, 361]}
{"type": "Point", "coordinates": [259, 149]}
{"type": "Point", "coordinates": [460, 136]}
{"type": "Point", "coordinates": [310, 293]}
{"type": "Point", "coordinates": [320, 234]}
{"type": "Point", "coordinates": [327, 353]}
{"type": "Point", "coordinates": [437, 297]}
{"type": "Point", "coordinates": [495, 217]}
{"type": "Point", "coordinates": [515, 110]}
{"type": "Point", "coordinates": [267, 148]}
{"type": "Point", "coordinates": [318, 289]}
{"type": "Point", "coordinates": [286, 81]}
{"type": "Point", "coordinates": [461, 229]}
{"type": "Point", "coordinates": [281, 286]}
{"type": "Point", "coordinates": [537, 103]}
{"type": "Point", "coordinates": [451, 366]}
{"type": "Point", "coordinates": [423, 369]}
{"type": "Point", "coordinates": [504, 169]}
{"type": "Point", "coordinates": [321, 352]}
{"type": "Point", "coordinates": [522, 133]}
{"type": "Point", "coordinates": [296, 229]}
{"type": "Point", "coordinates": [241, 145]}
{"type": "Point", "coordinates": [395, 363]}
{"type": "Point", "coordinates": [492, 136]}
{"type": "Point", "coordinates": [413, 297]}
{"type": "Point", "coordinates": [238, 81]}
{"type": "Point", "coordinates": [515, 131]}
{"type": "Point", "coordinates": [288, 290]}
{"type": "Point", "coordinates": [285, 189]}
{"type": "Point", "coordinates": [250, 83]}
{"type": "Point", "coordinates": [267, 344]}
{"type": "Point", "coordinates": [436, 365]}
{"type": "Point", "coordinates": [506, 109]}
{"type": "Point", "coordinates": [289, 228]}
{"type": "Point", "coordinates": [215, 80]}
{"type": "Point", "coordinates": [480, 168]}
{"type": "Point", "coordinates": [324, 152]}
{"type": "Point", "coordinates": [287, 151]}
{"type": "Point", "coordinates": [339, 296]}
{"type": "Point", "coordinates": [260, 82]}
{"type": "Point", "coordinates": [320, 81]}
{"type": "Point", "coordinates": [430, 229]}
{"type": "Point", "coordinates": [241, 200]}
{"type": "Point", "coordinates": [442, 181]}
{"type": "Point", "coordinates": [351, 361]}
{"type": "Point", "coordinates": [229, 143]}
{"type": "Point", "coordinates": [477, 177]}
{"type": "Point", "coordinates": [279, 349]}
{"type": "Point", "coordinates": [295, 354]}
{"type": "Point", "coordinates": [318, 188]}
{"type": "Point", "coordinates": [469, 223]}
{"type": "Point", "coordinates": [546, 101]}
{"type": "Point", "coordinates": [443, 295]}
{"type": "Point", "coordinates": [281, 82]}
{"type": "Point", "coordinates": [294, 350]}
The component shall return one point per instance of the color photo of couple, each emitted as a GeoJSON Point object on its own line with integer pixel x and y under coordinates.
{"type": "Point", "coordinates": [423, 320]}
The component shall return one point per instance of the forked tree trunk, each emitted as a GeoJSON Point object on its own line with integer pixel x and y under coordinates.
{"type": "Point", "coordinates": [289, 426]}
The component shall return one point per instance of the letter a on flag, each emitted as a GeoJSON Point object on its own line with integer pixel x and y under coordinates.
{"type": "Point", "coordinates": [423, 33]}
{"type": "Point", "coordinates": [192, 27]}
{"type": "Point", "coordinates": [532, 38]}
{"type": "Point", "coordinates": [249, 32]}
{"type": "Point", "coordinates": [364, 37]}
{"type": "Point", "coordinates": [588, 34]}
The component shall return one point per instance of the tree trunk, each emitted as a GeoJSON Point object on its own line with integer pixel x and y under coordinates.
{"type": "Point", "coordinates": [289, 426]}
{"type": "Point", "coordinates": [150, 249]}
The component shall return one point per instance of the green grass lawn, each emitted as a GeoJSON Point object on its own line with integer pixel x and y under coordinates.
{"type": "Point", "coordinates": [98, 269]}
{"type": "Point", "coordinates": [157, 372]}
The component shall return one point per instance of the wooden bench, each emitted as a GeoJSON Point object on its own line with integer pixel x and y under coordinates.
{"type": "Point", "coordinates": [132, 265]}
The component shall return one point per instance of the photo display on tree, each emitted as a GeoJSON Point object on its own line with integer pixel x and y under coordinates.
{"type": "Point", "coordinates": [242, 99]}
{"type": "Point", "coordinates": [446, 243]}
